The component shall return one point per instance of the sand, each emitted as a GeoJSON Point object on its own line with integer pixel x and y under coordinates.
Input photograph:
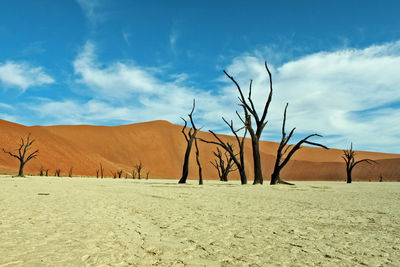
{"type": "Point", "coordinates": [160, 146]}
{"type": "Point", "coordinates": [101, 222]}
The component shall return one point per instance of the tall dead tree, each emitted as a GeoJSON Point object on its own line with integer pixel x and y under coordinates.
{"type": "Point", "coordinates": [229, 148]}
{"type": "Point", "coordinates": [23, 154]}
{"type": "Point", "coordinates": [349, 158]}
{"type": "Point", "coordinates": [284, 148]}
{"type": "Point", "coordinates": [250, 112]}
{"type": "Point", "coordinates": [189, 137]}
{"type": "Point", "coordinates": [224, 164]}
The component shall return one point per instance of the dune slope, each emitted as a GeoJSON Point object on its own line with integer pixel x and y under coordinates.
{"type": "Point", "coordinates": [160, 146]}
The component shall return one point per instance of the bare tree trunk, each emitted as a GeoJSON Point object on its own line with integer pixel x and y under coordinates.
{"type": "Point", "coordinates": [349, 180]}
{"type": "Point", "coordinates": [275, 175]}
{"type": "Point", "coordinates": [258, 177]}
{"type": "Point", "coordinates": [198, 162]}
{"type": "Point", "coordinates": [185, 168]}
{"type": "Point", "coordinates": [21, 168]}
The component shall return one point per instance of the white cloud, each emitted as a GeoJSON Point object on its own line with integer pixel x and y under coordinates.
{"type": "Point", "coordinates": [345, 95]}
{"type": "Point", "coordinates": [117, 80]}
{"type": "Point", "coordinates": [22, 75]}
{"type": "Point", "coordinates": [125, 92]}
{"type": "Point", "coordinates": [326, 89]}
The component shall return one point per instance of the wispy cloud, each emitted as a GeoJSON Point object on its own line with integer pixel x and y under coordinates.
{"type": "Point", "coordinates": [23, 75]}
{"type": "Point", "coordinates": [173, 37]}
{"type": "Point", "coordinates": [90, 8]}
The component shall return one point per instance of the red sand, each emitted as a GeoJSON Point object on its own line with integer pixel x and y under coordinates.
{"type": "Point", "coordinates": [160, 146]}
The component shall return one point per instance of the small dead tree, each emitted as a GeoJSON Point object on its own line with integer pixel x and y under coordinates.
{"type": "Point", "coordinates": [47, 172]}
{"type": "Point", "coordinates": [57, 173]}
{"type": "Point", "coordinates": [119, 173]}
{"type": "Point", "coordinates": [349, 158]}
{"type": "Point", "coordinates": [23, 154]}
{"type": "Point", "coordinates": [224, 164]}
{"type": "Point", "coordinates": [283, 148]}
{"type": "Point", "coordinates": [41, 171]}
{"type": "Point", "coordinates": [147, 175]}
{"type": "Point", "coordinates": [229, 148]}
{"type": "Point", "coordinates": [70, 172]}
{"type": "Point", "coordinates": [138, 169]}
{"type": "Point", "coordinates": [97, 173]}
{"type": "Point", "coordinates": [114, 174]}
{"type": "Point", "coordinates": [133, 174]}
{"type": "Point", "coordinates": [101, 171]}
{"type": "Point", "coordinates": [190, 137]}
{"type": "Point", "coordinates": [250, 112]}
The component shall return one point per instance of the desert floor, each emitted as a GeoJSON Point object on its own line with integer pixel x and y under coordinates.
{"type": "Point", "coordinates": [87, 221]}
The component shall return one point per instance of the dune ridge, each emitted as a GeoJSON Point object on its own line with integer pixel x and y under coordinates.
{"type": "Point", "coordinates": [160, 146]}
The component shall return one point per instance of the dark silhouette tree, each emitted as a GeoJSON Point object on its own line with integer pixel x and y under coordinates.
{"type": "Point", "coordinates": [224, 164]}
{"type": "Point", "coordinates": [250, 112]}
{"type": "Point", "coordinates": [228, 147]}
{"type": "Point", "coordinates": [189, 137]}
{"type": "Point", "coordinates": [284, 148]}
{"type": "Point", "coordinates": [47, 172]}
{"type": "Point", "coordinates": [119, 173]}
{"type": "Point", "coordinates": [147, 175]}
{"type": "Point", "coordinates": [57, 173]}
{"type": "Point", "coordinates": [23, 154]}
{"type": "Point", "coordinates": [349, 158]}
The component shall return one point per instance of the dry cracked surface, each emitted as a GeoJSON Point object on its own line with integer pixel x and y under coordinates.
{"type": "Point", "coordinates": [117, 222]}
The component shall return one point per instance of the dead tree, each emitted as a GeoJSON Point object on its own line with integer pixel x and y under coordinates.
{"type": "Point", "coordinates": [119, 173]}
{"type": "Point", "coordinates": [114, 174]}
{"type": "Point", "coordinates": [138, 169]}
{"type": "Point", "coordinates": [41, 172]}
{"type": "Point", "coordinates": [47, 172]}
{"type": "Point", "coordinates": [251, 113]}
{"type": "Point", "coordinates": [229, 148]}
{"type": "Point", "coordinates": [198, 162]}
{"type": "Point", "coordinates": [70, 172]}
{"type": "Point", "coordinates": [57, 173]}
{"type": "Point", "coordinates": [133, 174]}
{"type": "Point", "coordinates": [224, 164]}
{"type": "Point", "coordinates": [97, 173]}
{"type": "Point", "coordinates": [349, 158]}
{"type": "Point", "coordinates": [284, 148]}
{"type": "Point", "coordinates": [190, 137]}
{"type": "Point", "coordinates": [101, 171]}
{"type": "Point", "coordinates": [23, 154]}
{"type": "Point", "coordinates": [147, 175]}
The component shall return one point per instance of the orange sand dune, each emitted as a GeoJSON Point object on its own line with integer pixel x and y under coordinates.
{"type": "Point", "coordinates": [160, 146]}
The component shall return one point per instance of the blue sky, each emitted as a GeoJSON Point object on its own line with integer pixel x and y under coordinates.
{"type": "Point", "coordinates": [106, 62]}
